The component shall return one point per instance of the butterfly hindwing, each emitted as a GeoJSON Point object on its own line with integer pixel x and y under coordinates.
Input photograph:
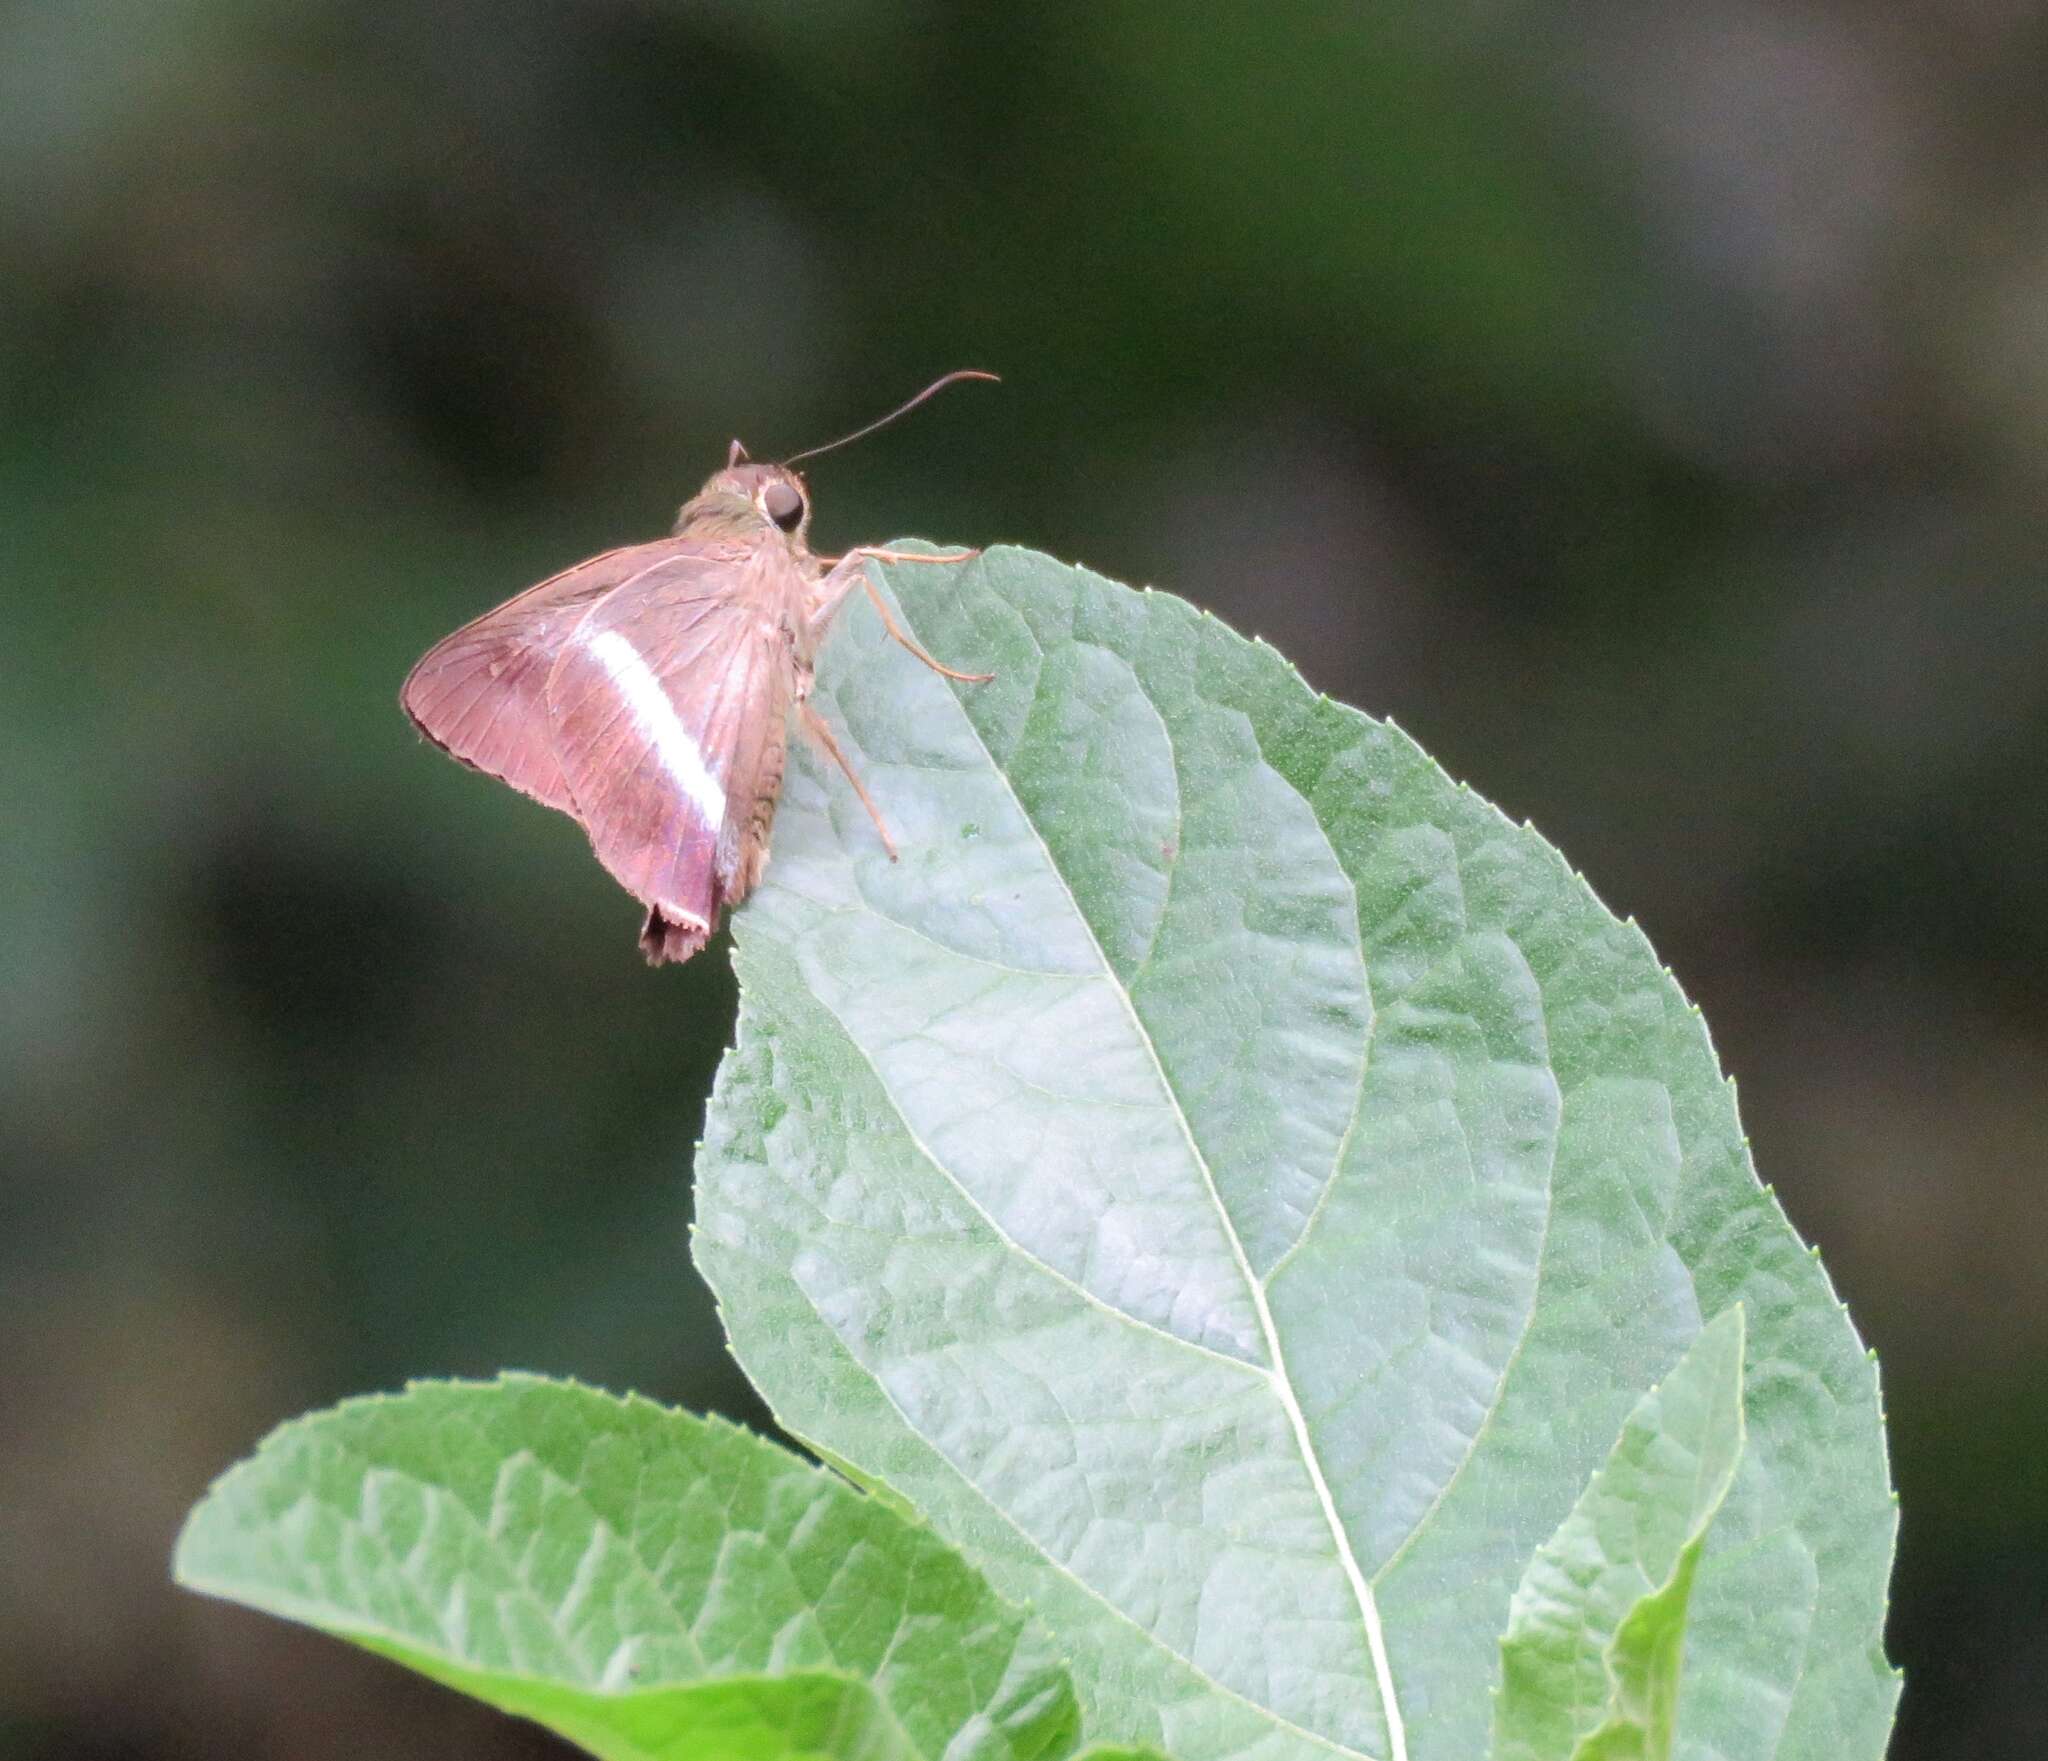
{"type": "Point", "coordinates": [667, 711]}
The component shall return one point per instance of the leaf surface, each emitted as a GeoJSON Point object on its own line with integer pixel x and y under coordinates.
{"type": "Point", "coordinates": [652, 1586]}
{"type": "Point", "coordinates": [1591, 1661]}
{"type": "Point", "coordinates": [1236, 1185]}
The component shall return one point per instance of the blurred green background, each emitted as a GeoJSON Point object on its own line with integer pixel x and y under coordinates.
{"type": "Point", "coordinates": [1645, 407]}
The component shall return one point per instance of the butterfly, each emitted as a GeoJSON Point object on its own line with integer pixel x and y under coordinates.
{"type": "Point", "coordinates": [647, 693]}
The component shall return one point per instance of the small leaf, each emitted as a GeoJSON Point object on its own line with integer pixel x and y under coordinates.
{"type": "Point", "coordinates": [1596, 1632]}
{"type": "Point", "coordinates": [1235, 1184]}
{"type": "Point", "coordinates": [645, 1583]}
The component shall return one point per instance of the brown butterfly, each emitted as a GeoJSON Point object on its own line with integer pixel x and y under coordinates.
{"type": "Point", "coordinates": [646, 693]}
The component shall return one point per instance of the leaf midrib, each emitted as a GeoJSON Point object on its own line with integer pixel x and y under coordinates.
{"type": "Point", "coordinates": [1276, 1374]}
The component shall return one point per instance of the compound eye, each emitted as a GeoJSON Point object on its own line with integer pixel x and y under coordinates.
{"type": "Point", "coordinates": [783, 505]}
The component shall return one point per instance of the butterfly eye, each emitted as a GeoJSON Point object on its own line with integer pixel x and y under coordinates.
{"type": "Point", "coordinates": [783, 505]}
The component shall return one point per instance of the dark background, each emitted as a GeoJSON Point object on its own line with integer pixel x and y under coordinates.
{"type": "Point", "coordinates": [1647, 407]}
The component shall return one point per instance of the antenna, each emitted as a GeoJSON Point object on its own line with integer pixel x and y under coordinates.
{"type": "Point", "coordinates": [931, 390]}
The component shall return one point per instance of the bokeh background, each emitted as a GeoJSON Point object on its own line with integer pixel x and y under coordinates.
{"type": "Point", "coordinates": [1647, 407]}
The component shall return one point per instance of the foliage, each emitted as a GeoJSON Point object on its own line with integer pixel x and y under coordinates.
{"type": "Point", "coordinates": [1248, 1197]}
{"type": "Point", "coordinates": [647, 1583]}
{"type": "Point", "coordinates": [1237, 1186]}
{"type": "Point", "coordinates": [1596, 1630]}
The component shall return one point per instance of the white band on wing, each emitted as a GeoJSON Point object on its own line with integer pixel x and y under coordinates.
{"type": "Point", "coordinates": [659, 725]}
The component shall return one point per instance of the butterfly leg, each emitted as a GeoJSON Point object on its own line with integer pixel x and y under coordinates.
{"type": "Point", "coordinates": [853, 566]}
{"type": "Point", "coordinates": [820, 730]}
{"type": "Point", "coordinates": [884, 555]}
{"type": "Point", "coordinates": [895, 629]}
{"type": "Point", "coordinates": [915, 556]}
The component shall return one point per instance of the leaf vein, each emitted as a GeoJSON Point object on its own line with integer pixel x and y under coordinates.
{"type": "Point", "coordinates": [1277, 1371]}
{"type": "Point", "coordinates": [1059, 1566]}
{"type": "Point", "coordinates": [1065, 1279]}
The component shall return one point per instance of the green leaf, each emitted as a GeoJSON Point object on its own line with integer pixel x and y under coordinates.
{"type": "Point", "coordinates": [1596, 1632]}
{"type": "Point", "coordinates": [1236, 1184]}
{"type": "Point", "coordinates": [646, 1583]}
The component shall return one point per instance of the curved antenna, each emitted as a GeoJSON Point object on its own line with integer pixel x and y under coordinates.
{"type": "Point", "coordinates": [931, 390]}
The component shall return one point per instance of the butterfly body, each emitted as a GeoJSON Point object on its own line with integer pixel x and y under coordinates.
{"type": "Point", "coordinates": [647, 694]}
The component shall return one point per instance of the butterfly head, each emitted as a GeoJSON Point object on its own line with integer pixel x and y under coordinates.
{"type": "Point", "coordinates": [748, 500]}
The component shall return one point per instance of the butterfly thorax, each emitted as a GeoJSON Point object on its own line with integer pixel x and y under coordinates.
{"type": "Point", "coordinates": [724, 518]}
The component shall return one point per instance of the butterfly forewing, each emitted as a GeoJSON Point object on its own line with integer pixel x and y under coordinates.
{"type": "Point", "coordinates": [480, 694]}
{"type": "Point", "coordinates": [668, 713]}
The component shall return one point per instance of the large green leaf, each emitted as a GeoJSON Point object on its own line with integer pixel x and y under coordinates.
{"type": "Point", "coordinates": [1236, 1184]}
{"type": "Point", "coordinates": [1591, 1661]}
{"type": "Point", "coordinates": [649, 1584]}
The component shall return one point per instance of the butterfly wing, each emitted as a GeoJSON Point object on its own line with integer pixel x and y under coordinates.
{"type": "Point", "coordinates": [668, 711]}
{"type": "Point", "coordinates": [480, 694]}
